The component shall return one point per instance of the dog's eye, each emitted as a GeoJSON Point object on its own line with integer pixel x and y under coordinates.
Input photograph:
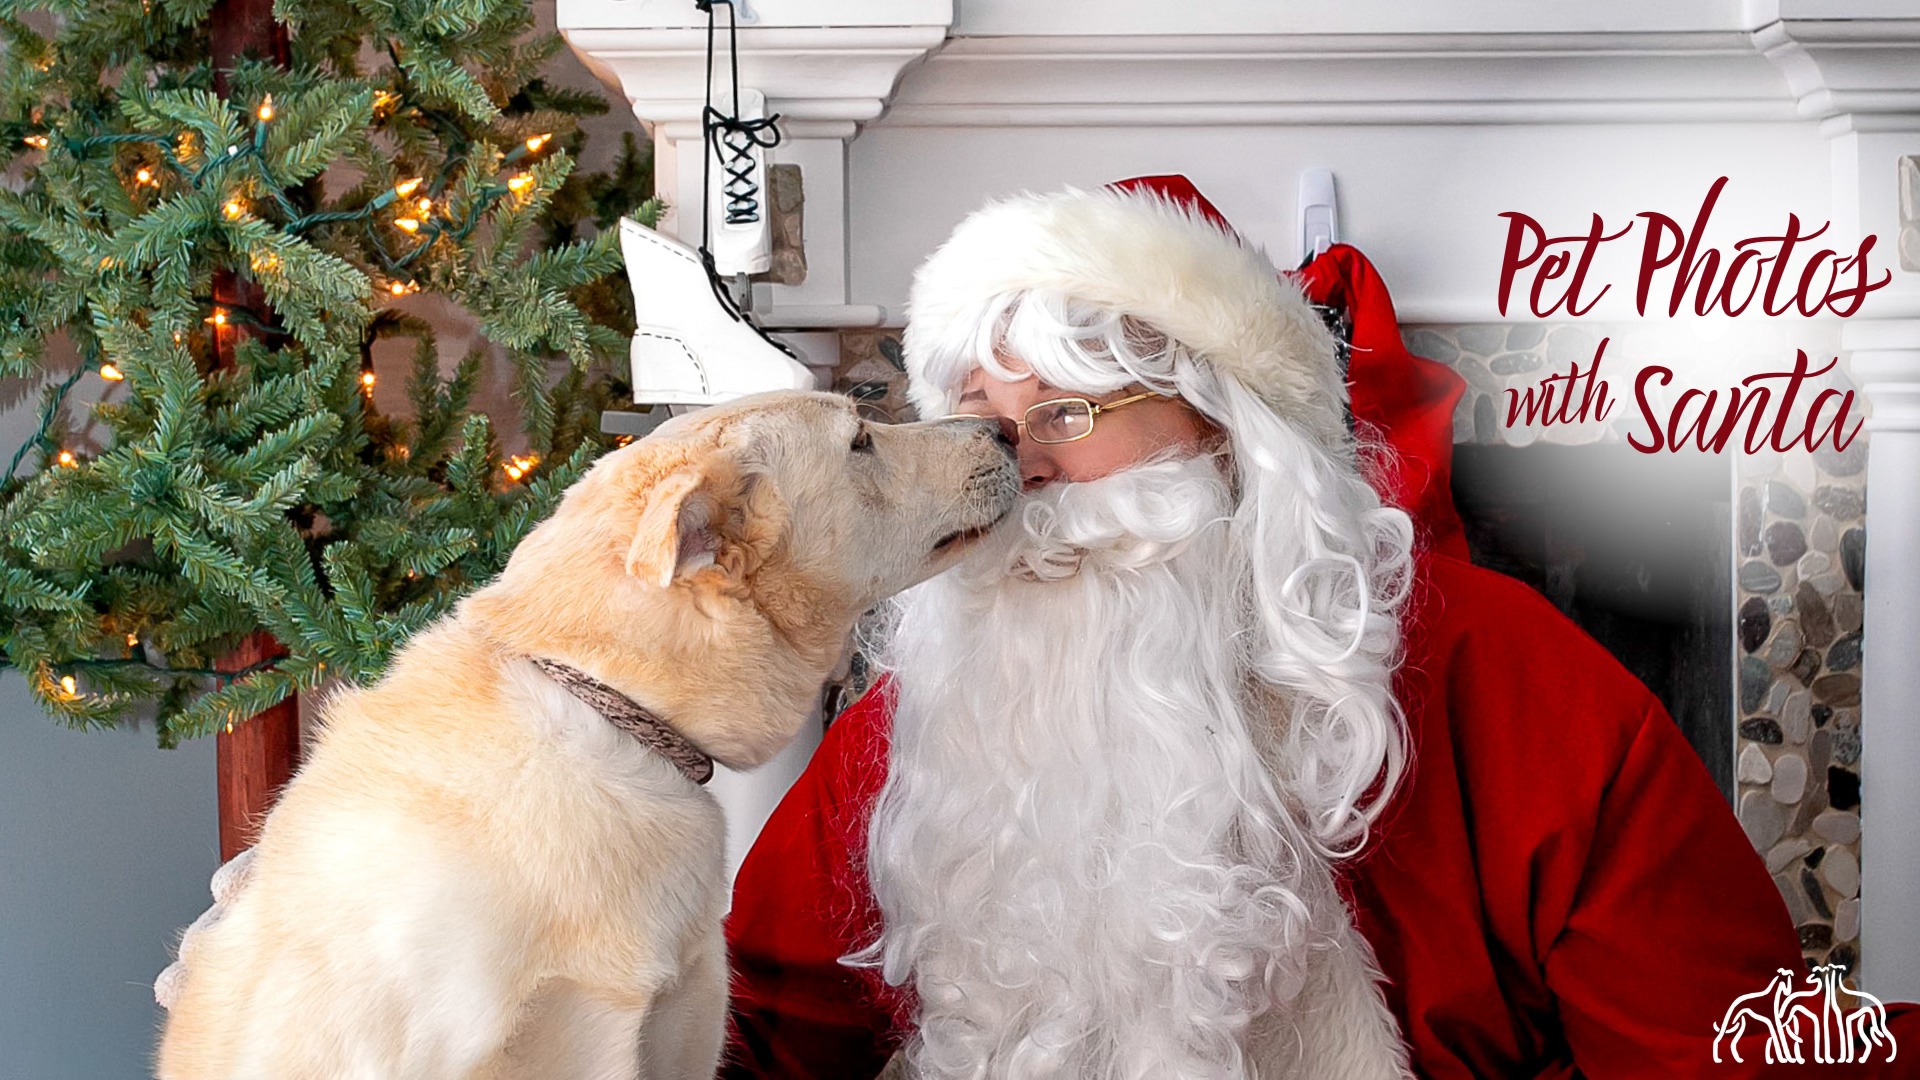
{"type": "Point", "coordinates": [863, 441]}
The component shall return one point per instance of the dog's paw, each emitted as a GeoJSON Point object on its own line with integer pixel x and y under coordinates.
{"type": "Point", "coordinates": [168, 984]}
{"type": "Point", "coordinates": [232, 877]}
{"type": "Point", "coordinates": [226, 884]}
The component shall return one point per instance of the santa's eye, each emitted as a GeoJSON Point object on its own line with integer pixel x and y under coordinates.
{"type": "Point", "coordinates": [863, 440]}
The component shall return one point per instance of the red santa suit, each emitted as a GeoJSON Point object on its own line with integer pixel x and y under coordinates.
{"type": "Point", "coordinates": [1559, 890]}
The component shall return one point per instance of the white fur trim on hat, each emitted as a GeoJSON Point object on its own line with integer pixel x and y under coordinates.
{"type": "Point", "coordinates": [1137, 254]}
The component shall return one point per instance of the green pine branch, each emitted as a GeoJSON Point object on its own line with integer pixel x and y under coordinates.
{"type": "Point", "coordinates": [236, 476]}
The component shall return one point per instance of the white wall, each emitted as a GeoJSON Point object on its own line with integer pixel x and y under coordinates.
{"type": "Point", "coordinates": [1422, 202]}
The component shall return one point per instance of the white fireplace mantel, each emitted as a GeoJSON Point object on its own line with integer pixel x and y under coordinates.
{"type": "Point", "coordinates": [1434, 116]}
{"type": "Point", "coordinates": [821, 61]}
{"type": "Point", "coordinates": [825, 66]}
{"type": "Point", "coordinates": [1476, 107]}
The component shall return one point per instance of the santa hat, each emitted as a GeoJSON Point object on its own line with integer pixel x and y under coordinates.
{"type": "Point", "coordinates": [1154, 248]}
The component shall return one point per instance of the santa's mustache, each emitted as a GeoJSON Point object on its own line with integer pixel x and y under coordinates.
{"type": "Point", "coordinates": [1146, 514]}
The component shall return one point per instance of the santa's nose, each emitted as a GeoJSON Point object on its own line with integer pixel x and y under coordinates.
{"type": "Point", "coordinates": [1037, 467]}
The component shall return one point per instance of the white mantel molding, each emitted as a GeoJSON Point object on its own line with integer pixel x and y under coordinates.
{"type": "Point", "coordinates": [1859, 78]}
{"type": "Point", "coordinates": [1843, 72]}
{"type": "Point", "coordinates": [834, 60]}
{"type": "Point", "coordinates": [808, 73]}
{"type": "Point", "coordinates": [1343, 79]}
{"type": "Point", "coordinates": [1849, 74]}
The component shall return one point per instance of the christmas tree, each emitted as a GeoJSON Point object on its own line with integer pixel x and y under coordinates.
{"type": "Point", "coordinates": [226, 245]}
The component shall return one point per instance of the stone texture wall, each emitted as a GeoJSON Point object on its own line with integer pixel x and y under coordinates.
{"type": "Point", "coordinates": [785, 201]}
{"type": "Point", "coordinates": [1800, 542]}
{"type": "Point", "coordinates": [871, 372]}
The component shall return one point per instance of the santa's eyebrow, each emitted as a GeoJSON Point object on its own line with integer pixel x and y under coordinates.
{"type": "Point", "coordinates": [975, 393]}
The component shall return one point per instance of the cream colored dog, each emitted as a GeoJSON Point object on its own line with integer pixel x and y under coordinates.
{"type": "Point", "coordinates": [478, 875]}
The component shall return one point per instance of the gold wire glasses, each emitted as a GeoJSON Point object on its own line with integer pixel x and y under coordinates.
{"type": "Point", "coordinates": [1060, 420]}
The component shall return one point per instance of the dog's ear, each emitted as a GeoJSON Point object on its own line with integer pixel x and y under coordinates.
{"type": "Point", "coordinates": [679, 527]}
{"type": "Point", "coordinates": [718, 512]}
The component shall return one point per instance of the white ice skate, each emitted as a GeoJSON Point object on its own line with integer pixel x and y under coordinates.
{"type": "Point", "coordinates": [688, 349]}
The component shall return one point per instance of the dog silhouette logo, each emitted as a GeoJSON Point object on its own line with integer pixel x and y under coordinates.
{"type": "Point", "coordinates": [1838, 1036]}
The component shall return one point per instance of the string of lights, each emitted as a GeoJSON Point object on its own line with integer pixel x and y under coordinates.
{"type": "Point", "coordinates": [414, 219]}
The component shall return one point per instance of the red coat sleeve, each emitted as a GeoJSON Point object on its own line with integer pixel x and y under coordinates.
{"type": "Point", "coordinates": [1672, 917]}
{"type": "Point", "coordinates": [1560, 890]}
{"type": "Point", "coordinates": [800, 902]}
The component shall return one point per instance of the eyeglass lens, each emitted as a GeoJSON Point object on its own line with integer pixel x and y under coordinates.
{"type": "Point", "coordinates": [1059, 421]}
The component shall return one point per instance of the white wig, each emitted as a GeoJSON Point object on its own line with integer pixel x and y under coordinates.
{"type": "Point", "coordinates": [1330, 566]}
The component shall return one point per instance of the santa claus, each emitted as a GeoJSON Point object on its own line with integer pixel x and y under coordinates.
{"type": "Point", "coordinates": [1207, 702]}
{"type": "Point", "coordinates": [1132, 731]}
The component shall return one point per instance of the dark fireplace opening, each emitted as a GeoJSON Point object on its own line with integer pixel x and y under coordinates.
{"type": "Point", "coordinates": [1635, 548]}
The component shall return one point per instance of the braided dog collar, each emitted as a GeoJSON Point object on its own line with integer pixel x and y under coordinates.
{"type": "Point", "coordinates": [631, 717]}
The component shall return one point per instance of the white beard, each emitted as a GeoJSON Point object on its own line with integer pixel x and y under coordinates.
{"type": "Point", "coordinates": [1082, 860]}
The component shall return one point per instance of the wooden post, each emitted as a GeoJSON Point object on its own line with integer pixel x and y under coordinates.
{"type": "Point", "coordinates": [242, 28]}
{"type": "Point", "coordinates": [257, 758]}
{"type": "Point", "coordinates": [259, 755]}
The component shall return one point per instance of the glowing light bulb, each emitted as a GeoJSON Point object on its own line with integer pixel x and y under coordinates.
{"type": "Point", "coordinates": [110, 373]}
{"type": "Point", "coordinates": [234, 209]}
{"type": "Point", "coordinates": [38, 142]}
{"type": "Point", "coordinates": [519, 184]}
{"type": "Point", "coordinates": [67, 459]}
{"type": "Point", "coordinates": [218, 318]}
{"type": "Point", "coordinates": [68, 684]}
{"type": "Point", "coordinates": [426, 206]}
{"type": "Point", "coordinates": [407, 224]}
{"type": "Point", "coordinates": [398, 288]}
{"type": "Point", "coordinates": [406, 187]}
{"type": "Point", "coordinates": [534, 144]}
{"type": "Point", "coordinates": [144, 176]}
{"type": "Point", "coordinates": [265, 111]}
{"type": "Point", "coordinates": [367, 379]}
{"type": "Point", "coordinates": [133, 640]}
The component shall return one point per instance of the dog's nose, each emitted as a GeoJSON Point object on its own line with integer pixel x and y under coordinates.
{"type": "Point", "coordinates": [1003, 433]}
{"type": "Point", "coordinates": [996, 428]}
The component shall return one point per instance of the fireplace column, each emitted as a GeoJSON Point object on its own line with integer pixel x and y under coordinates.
{"type": "Point", "coordinates": [1886, 365]}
